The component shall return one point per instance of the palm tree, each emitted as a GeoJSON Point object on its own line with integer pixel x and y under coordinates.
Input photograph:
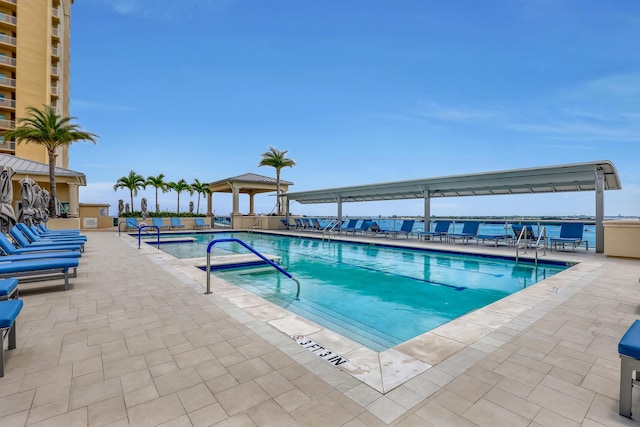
{"type": "Point", "coordinates": [44, 127]}
{"type": "Point", "coordinates": [158, 183]}
{"type": "Point", "coordinates": [200, 188]}
{"type": "Point", "coordinates": [179, 187]}
{"type": "Point", "coordinates": [133, 182]}
{"type": "Point", "coordinates": [277, 159]}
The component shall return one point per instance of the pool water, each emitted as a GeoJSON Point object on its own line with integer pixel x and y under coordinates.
{"type": "Point", "coordinates": [377, 295]}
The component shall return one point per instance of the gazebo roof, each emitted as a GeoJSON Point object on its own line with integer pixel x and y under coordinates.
{"type": "Point", "coordinates": [248, 183]}
{"type": "Point", "coordinates": [29, 167]}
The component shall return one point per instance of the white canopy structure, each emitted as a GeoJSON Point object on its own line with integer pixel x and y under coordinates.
{"type": "Point", "coordinates": [590, 176]}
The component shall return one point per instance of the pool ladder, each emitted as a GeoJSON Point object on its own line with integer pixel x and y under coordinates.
{"type": "Point", "coordinates": [258, 254]}
{"type": "Point", "coordinates": [326, 232]}
{"type": "Point", "coordinates": [542, 235]}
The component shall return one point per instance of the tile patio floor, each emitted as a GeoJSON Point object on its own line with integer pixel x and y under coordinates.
{"type": "Point", "coordinates": [135, 342]}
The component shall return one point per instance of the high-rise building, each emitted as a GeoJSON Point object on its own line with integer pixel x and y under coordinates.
{"type": "Point", "coordinates": [34, 72]}
{"type": "Point", "coordinates": [34, 67]}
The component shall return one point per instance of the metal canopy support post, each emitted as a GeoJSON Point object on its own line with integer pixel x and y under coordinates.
{"type": "Point", "coordinates": [599, 211]}
{"type": "Point", "coordinates": [427, 211]}
{"type": "Point", "coordinates": [340, 210]}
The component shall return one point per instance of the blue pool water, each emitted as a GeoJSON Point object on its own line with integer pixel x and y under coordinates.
{"type": "Point", "coordinates": [377, 295]}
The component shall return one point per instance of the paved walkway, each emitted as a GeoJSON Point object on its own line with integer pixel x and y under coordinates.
{"type": "Point", "coordinates": [135, 342]}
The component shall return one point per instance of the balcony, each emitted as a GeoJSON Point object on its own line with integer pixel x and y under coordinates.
{"type": "Point", "coordinates": [7, 19]}
{"type": "Point", "coordinates": [7, 124]}
{"type": "Point", "coordinates": [55, 91]}
{"type": "Point", "coordinates": [8, 40]}
{"type": "Point", "coordinates": [7, 61]}
{"type": "Point", "coordinates": [8, 103]}
{"type": "Point", "coordinates": [9, 4]}
{"type": "Point", "coordinates": [55, 32]}
{"type": "Point", "coordinates": [55, 72]}
{"type": "Point", "coordinates": [55, 12]}
{"type": "Point", "coordinates": [7, 82]}
{"type": "Point", "coordinates": [7, 146]}
{"type": "Point", "coordinates": [55, 51]}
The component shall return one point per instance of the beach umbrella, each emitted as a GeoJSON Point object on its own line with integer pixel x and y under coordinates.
{"type": "Point", "coordinates": [7, 214]}
{"type": "Point", "coordinates": [45, 196]}
{"type": "Point", "coordinates": [27, 212]}
{"type": "Point", "coordinates": [143, 208]}
{"type": "Point", "coordinates": [38, 216]}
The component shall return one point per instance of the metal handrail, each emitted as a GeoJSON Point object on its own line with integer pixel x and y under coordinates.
{"type": "Point", "coordinates": [329, 228]}
{"type": "Point", "coordinates": [258, 254]}
{"type": "Point", "coordinates": [255, 222]}
{"type": "Point", "coordinates": [119, 224]}
{"type": "Point", "coordinates": [140, 228]}
{"type": "Point", "coordinates": [542, 235]}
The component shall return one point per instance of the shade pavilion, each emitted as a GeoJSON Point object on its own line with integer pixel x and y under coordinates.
{"type": "Point", "coordinates": [248, 183]}
{"type": "Point", "coordinates": [594, 176]}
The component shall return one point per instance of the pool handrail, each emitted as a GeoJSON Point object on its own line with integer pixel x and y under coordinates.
{"type": "Point", "coordinates": [258, 254]}
{"type": "Point", "coordinates": [142, 227]}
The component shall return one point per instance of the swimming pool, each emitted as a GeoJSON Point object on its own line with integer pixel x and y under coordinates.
{"type": "Point", "coordinates": [377, 295]}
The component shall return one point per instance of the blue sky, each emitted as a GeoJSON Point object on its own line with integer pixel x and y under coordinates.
{"type": "Point", "coordinates": [358, 92]}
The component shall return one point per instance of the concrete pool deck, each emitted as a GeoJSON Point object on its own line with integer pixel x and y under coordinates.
{"type": "Point", "coordinates": [136, 342]}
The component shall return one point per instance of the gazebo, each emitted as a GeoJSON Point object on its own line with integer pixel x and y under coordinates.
{"type": "Point", "coordinates": [248, 183]}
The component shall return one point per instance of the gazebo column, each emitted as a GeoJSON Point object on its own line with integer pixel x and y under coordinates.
{"type": "Point", "coordinates": [251, 209]}
{"type": "Point", "coordinates": [74, 207]}
{"type": "Point", "coordinates": [235, 191]}
{"type": "Point", "coordinates": [340, 209]}
{"type": "Point", "coordinates": [209, 204]}
{"type": "Point", "coordinates": [236, 216]}
{"type": "Point", "coordinates": [599, 211]}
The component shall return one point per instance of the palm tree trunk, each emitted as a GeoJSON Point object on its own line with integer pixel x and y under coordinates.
{"type": "Point", "coordinates": [131, 193]}
{"type": "Point", "coordinates": [52, 184]}
{"type": "Point", "coordinates": [157, 206]}
{"type": "Point", "coordinates": [178, 202]}
{"type": "Point", "coordinates": [198, 210]}
{"type": "Point", "coordinates": [279, 208]}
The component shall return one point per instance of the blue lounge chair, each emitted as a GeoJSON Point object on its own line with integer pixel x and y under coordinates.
{"type": "Point", "coordinates": [406, 228]}
{"type": "Point", "coordinates": [56, 234]}
{"type": "Point", "coordinates": [158, 222]}
{"type": "Point", "coordinates": [42, 269]}
{"type": "Point", "coordinates": [469, 231]}
{"type": "Point", "coordinates": [526, 235]}
{"type": "Point", "coordinates": [286, 225]}
{"type": "Point", "coordinates": [22, 240]}
{"type": "Point", "coordinates": [299, 223]}
{"type": "Point", "coordinates": [9, 311]}
{"type": "Point", "coordinates": [306, 224]}
{"type": "Point", "coordinates": [131, 224]}
{"type": "Point", "coordinates": [8, 248]}
{"type": "Point", "coordinates": [41, 226]}
{"type": "Point", "coordinates": [199, 224]}
{"type": "Point", "coordinates": [570, 234]}
{"type": "Point", "coordinates": [8, 289]}
{"type": "Point", "coordinates": [374, 229]}
{"type": "Point", "coordinates": [175, 223]}
{"type": "Point", "coordinates": [441, 230]}
{"type": "Point", "coordinates": [351, 225]}
{"type": "Point", "coordinates": [33, 237]}
{"type": "Point", "coordinates": [315, 224]}
{"type": "Point", "coordinates": [364, 227]}
{"type": "Point", "coordinates": [495, 238]}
